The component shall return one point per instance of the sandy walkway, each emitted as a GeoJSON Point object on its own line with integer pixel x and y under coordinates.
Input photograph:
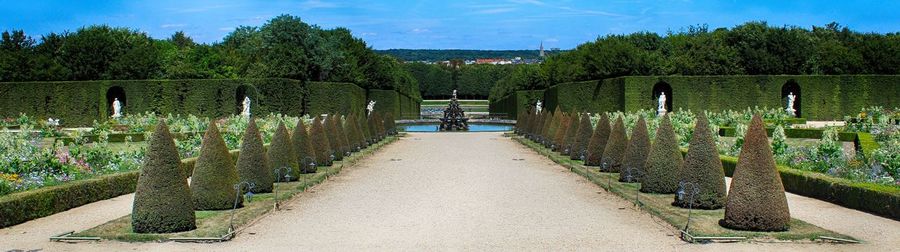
{"type": "Point", "coordinates": [455, 192]}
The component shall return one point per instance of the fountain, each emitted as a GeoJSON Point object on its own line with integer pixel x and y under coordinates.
{"type": "Point", "coordinates": [454, 117]}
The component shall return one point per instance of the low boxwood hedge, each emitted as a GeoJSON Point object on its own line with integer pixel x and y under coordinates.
{"type": "Point", "coordinates": [795, 133]}
{"type": "Point", "coordinates": [866, 143]}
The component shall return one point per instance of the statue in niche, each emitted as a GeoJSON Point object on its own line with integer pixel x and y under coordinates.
{"type": "Point", "coordinates": [661, 107]}
{"type": "Point", "coordinates": [538, 107]}
{"type": "Point", "coordinates": [790, 104]}
{"type": "Point", "coordinates": [370, 107]}
{"type": "Point", "coordinates": [245, 108]}
{"type": "Point", "coordinates": [117, 108]}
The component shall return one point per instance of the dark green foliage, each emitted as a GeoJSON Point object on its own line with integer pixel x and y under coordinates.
{"type": "Point", "coordinates": [756, 183]}
{"type": "Point", "coordinates": [614, 153]}
{"type": "Point", "coordinates": [703, 168]}
{"type": "Point", "coordinates": [633, 168]}
{"type": "Point", "coordinates": [212, 184]}
{"type": "Point", "coordinates": [545, 127]}
{"type": "Point", "coordinates": [162, 199]}
{"type": "Point", "coordinates": [321, 143]}
{"type": "Point", "coordinates": [334, 137]}
{"type": "Point", "coordinates": [281, 152]}
{"type": "Point", "coordinates": [559, 137]}
{"type": "Point", "coordinates": [336, 98]}
{"type": "Point", "coordinates": [582, 139]}
{"type": "Point", "coordinates": [569, 141]}
{"type": "Point", "coordinates": [342, 134]}
{"type": "Point", "coordinates": [389, 127]}
{"type": "Point", "coordinates": [304, 146]}
{"type": "Point", "coordinates": [373, 127]}
{"type": "Point", "coordinates": [597, 144]}
{"type": "Point", "coordinates": [364, 130]}
{"type": "Point", "coordinates": [385, 101]}
{"type": "Point", "coordinates": [664, 162]}
{"type": "Point", "coordinates": [356, 134]}
{"type": "Point", "coordinates": [253, 163]}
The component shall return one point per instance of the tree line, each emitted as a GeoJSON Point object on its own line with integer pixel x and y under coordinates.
{"type": "Point", "coordinates": [752, 48]}
{"type": "Point", "coordinates": [452, 54]}
{"type": "Point", "coordinates": [437, 81]}
{"type": "Point", "coordinates": [284, 47]}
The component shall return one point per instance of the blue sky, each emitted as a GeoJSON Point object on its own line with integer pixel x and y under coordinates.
{"type": "Point", "coordinates": [447, 24]}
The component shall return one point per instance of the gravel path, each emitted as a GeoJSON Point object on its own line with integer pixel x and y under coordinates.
{"type": "Point", "coordinates": [455, 191]}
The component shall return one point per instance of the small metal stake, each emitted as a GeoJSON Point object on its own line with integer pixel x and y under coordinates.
{"type": "Point", "coordinates": [286, 170]}
{"type": "Point", "coordinates": [631, 173]}
{"type": "Point", "coordinates": [237, 197]}
{"type": "Point", "coordinates": [694, 190]}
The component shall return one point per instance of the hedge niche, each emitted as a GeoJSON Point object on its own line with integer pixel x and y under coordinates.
{"type": "Point", "coordinates": [253, 163]}
{"type": "Point", "coordinates": [162, 199]}
{"type": "Point", "coordinates": [281, 152]}
{"type": "Point", "coordinates": [304, 147]}
{"type": "Point", "coordinates": [614, 153]}
{"type": "Point", "coordinates": [664, 162]}
{"type": "Point", "coordinates": [212, 185]}
{"type": "Point", "coordinates": [321, 143]}
{"type": "Point", "coordinates": [703, 169]}
{"type": "Point", "coordinates": [598, 142]}
{"type": "Point", "coordinates": [636, 154]}
{"type": "Point", "coordinates": [756, 200]}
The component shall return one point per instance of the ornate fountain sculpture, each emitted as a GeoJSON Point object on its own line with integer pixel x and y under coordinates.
{"type": "Point", "coordinates": [454, 116]}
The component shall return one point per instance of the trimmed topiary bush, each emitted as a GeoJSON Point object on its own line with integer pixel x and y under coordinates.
{"type": "Point", "coordinates": [338, 124]}
{"type": "Point", "coordinates": [372, 127]}
{"type": "Point", "coordinates": [664, 162]}
{"type": "Point", "coordinates": [636, 153]}
{"type": "Point", "coordinates": [756, 201]}
{"type": "Point", "coordinates": [545, 128]}
{"type": "Point", "coordinates": [597, 144]}
{"type": "Point", "coordinates": [252, 163]}
{"type": "Point", "coordinates": [353, 134]}
{"type": "Point", "coordinates": [322, 145]}
{"type": "Point", "coordinates": [581, 139]}
{"type": "Point", "coordinates": [555, 125]}
{"type": "Point", "coordinates": [389, 123]}
{"type": "Point", "coordinates": [334, 137]}
{"type": "Point", "coordinates": [378, 123]}
{"type": "Point", "coordinates": [569, 143]}
{"type": "Point", "coordinates": [614, 153]}
{"type": "Point", "coordinates": [559, 139]}
{"type": "Point", "coordinates": [304, 147]}
{"type": "Point", "coordinates": [212, 185]}
{"type": "Point", "coordinates": [703, 167]}
{"type": "Point", "coordinates": [364, 131]}
{"type": "Point", "coordinates": [281, 152]}
{"type": "Point", "coordinates": [162, 199]}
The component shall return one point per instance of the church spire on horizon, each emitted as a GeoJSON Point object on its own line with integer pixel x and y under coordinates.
{"type": "Point", "coordinates": [542, 49]}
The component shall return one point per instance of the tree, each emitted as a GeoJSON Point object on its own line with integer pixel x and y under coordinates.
{"type": "Point", "coordinates": [212, 184]}
{"type": "Point", "coordinates": [636, 153]}
{"type": "Point", "coordinates": [107, 53]}
{"type": "Point", "coordinates": [598, 142]}
{"type": "Point", "coordinates": [321, 142]}
{"type": "Point", "coordinates": [305, 146]}
{"type": "Point", "coordinates": [703, 169]}
{"type": "Point", "coordinates": [162, 199]}
{"type": "Point", "coordinates": [281, 152]}
{"type": "Point", "coordinates": [756, 182]}
{"type": "Point", "coordinates": [253, 163]}
{"type": "Point", "coordinates": [664, 162]}
{"type": "Point", "coordinates": [614, 153]}
{"type": "Point", "coordinates": [582, 139]}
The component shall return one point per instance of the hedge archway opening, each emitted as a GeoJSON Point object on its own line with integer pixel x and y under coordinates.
{"type": "Point", "coordinates": [113, 93]}
{"type": "Point", "coordinates": [239, 94]}
{"type": "Point", "coordinates": [791, 87]}
{"type": "Point", "coordinates": [658, 89]}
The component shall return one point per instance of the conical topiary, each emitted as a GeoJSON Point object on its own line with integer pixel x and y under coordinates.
{"type": "Point", "coordinates": [162, 199]}
{"type": "Point", "coordinates": [569, 141]}
{"type": "Point", "coordinates": [614, 153]}
{"type": "Point", "coordinates": [389, 123]}
{"type": "Point", "coordinates": [304, 147]}
{"type": "Point", "coordinates": [664, 162]}
{"type": "Point", "coordinates": [338, 124]}
{"type": "Point", "coordinates": [364, 130]}
{"type": "Point", "coordinates": [559, 138]}
{"type": "Point", "coordinates": [597, 144]}
{"type": "Point", "coordinates": [334, 137]}
{"type": "Point", "coordinates": [702, 168]}
{"type": "Point", "coordinates": [544, 136]}
{"type": "Point", "coordinates": [581, 138]}
{"type": "Point", "coordinates": [756, 200]}
{"type": "Point", "coordinates": [281, 152]}
{"type": "Point", "coordinates": [554, 128]}
{"type": "Point", "coordinates": [379, 126]}
{"type": "Point", "coordinates": [636, 153]}
{"type": "Point", "coordinates": [253, 163]}
{"type": "Point", "coordinates": [373, 128]}
{"type": "Point", "coordinates": [353, 134]}
{"type": "Point", "coordinates": [320, 140]}
{"type": "Point", "coordinates": [212, 185]}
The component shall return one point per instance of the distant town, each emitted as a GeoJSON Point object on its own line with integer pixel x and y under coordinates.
{"type": "Point", "coordinates": [471, 57]}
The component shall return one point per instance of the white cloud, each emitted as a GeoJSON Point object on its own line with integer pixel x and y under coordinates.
{"type": "Point", "coordinates": [534, 2]}
{"type": "Point", "coordinates": [495, 10]}
{"type": "Point", "coordinates": [169, 26]}
{"type": "Point", "coordinates": [420, 30]}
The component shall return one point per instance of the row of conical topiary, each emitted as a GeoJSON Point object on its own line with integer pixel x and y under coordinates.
{"type": "Point", "coordinates": [165, 203]}
{"type": "Point", "coordinates": [756, 200]}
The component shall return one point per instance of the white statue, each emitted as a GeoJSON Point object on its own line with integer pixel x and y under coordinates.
{"type": "Point", "coordinates": [370, 107]}
{"type": "Point", "coordinates": [790, 104]}
{"type": "Point", "coordinates": [661, 108]}
{"type": "Point", "coordinates": [117, 108]}
{"type": "Point", "coordinates": [246, 107]}
{"type": "Point", "coordinates": [52, 122]}
{"type": "Point", "coordinates": [538, 107]}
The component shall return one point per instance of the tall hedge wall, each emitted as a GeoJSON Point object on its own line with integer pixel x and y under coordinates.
{"type": "Point", "coordinates": [591, 96]}
{"type": "Point", "coordinates": [80, 103]}
{"type": "Point", "coordinates": [332, 97]}
{"type": "Point", "coordinates": [385, 100]}
{"type": "Point", "coordinates": [409, 107]}
{"type": "Point", "coordinates": [513, 104]}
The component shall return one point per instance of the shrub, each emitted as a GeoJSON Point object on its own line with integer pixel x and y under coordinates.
{"type": "Point", "coordinates": [545, 128]}
{"type": "Point", "coordinates": [304, 147]}
{"type": "Point", "coordinates": [378, 123]}
{"type": "Point", "coordinates": [252, 163]}
{"type": "Point", "coordinates": [598, 142]}
{"type": "Point", "coordinates": [581, 139]}
{"type": "Point", "coordinates": [373, 127]}
{"type": "Point", "coordinates": [569, 142]}
{"type": "Point", "coordinates": [636, 154]}
{"type": "Point", "coordinates": [559, 139]}
{"type": "Point", "coordinates": [364, 130]}
{"type": "Point", "coordinates": [353, 134]}
{"type": "Point", "coordinates": [338, 125]}
{"type": "Point", "coordinates": [779, 141]}
{"type": "Point", "coordinates": [756, 200]}
{"type": "Point", "coordinates": [389, 124]}
{"type": "Point", "coordinates": [321, 142]}
{"type": "Point", "coordinates": [334, 137]}
{"type": "Point", "coordinates": [614, 152]}
{"type": "Point", "coordinates": [555, 123]}
{"type": "Point", "coordinates": [703, 167]}
{"type": "Point", "coordinates": [162, 199]}
{"type": "Point", "coordinates": [281, 152]}
{"type": "Point", "coordinates": [664, 162]}
{"type": "Point", "coordinates": [212, 184]}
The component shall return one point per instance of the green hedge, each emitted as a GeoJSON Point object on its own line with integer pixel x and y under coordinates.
{"type": "Point", "coordinates": [410, 107]}
{"type": "Point", "coordinates": [332, 97]}
{"type": "Point", "coordinates": [821, 97]}
{"type": "Point", "coordinates": [873, 198]}
{"type": "Point", "coordinates": [385, 101]}
{"type": "Point", "coordinates": [866, 143]}
{"type": "Point", "coordinates": [796, 133]}
{"type": "Point", "coordinates": [505, 106]}
{"type": "Point", "coordinates": [79, 103]}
